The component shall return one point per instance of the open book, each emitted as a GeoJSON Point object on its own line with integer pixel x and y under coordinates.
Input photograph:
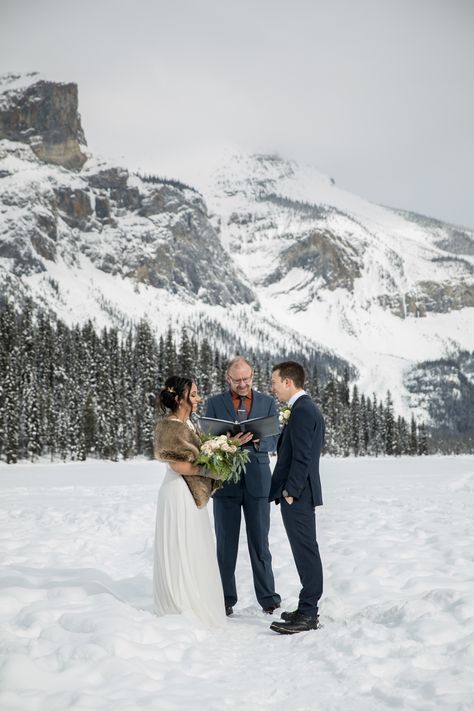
{"type": "Point", "coordinates": [259, 426]}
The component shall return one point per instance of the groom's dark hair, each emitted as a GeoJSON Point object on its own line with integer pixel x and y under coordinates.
{"type": "Point", "coordinates": [291, 369]}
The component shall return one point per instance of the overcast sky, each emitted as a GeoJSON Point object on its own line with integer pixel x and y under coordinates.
{"type": "Point", "coordinates": [379, 94]}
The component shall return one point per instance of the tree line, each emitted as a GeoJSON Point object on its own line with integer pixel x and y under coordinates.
{"type": "Point", "coordinates": [74, 393]}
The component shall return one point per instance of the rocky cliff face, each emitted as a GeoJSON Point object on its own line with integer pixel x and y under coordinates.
{"type": "Point", "coordinates": [45, 116]}
{"type": "Point", "coordinates": [147, 231]}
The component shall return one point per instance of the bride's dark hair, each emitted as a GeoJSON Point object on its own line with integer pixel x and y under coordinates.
{"type": "Point", "coordinates": [176, 389]}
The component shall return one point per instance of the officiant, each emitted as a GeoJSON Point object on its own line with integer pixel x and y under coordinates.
{"type": "Point", "coordinates": [250, 495]}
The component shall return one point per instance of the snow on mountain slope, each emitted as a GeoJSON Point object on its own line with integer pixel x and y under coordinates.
{"type": "Point", "coordinates": [381, 288]}
{"type": "Point", "coordinates": [80, 266]}
{"type": "Point", "coordinates": [95, 241]}
{"type": "Point", "coordinates": [272, 256]}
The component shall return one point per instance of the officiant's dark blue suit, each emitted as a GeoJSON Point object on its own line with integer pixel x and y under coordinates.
{"type": "Point", "coordinates": [297, 474]}
{"type": "Point", "coordinates": [251, 495]}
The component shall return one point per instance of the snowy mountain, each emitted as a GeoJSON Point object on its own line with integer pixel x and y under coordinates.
{"type": "Point", "coordinates": [269, 255]}
{"type": "Point", "coordinates": [94, 241]}
{"type": "Point", "coordinates": [387, 290]}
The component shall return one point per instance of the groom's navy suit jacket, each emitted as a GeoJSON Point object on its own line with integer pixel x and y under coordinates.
{"type": "Point", "coordinates": [257, 475]}
{"type": "Point", "coordinates": [299, 448]}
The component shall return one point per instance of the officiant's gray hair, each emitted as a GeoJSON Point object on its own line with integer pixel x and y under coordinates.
{"type": "Point", "coordinates": [238, 359]}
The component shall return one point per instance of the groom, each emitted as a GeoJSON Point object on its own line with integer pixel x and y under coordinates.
{"type": "Point", "coordinates": [297, 486]}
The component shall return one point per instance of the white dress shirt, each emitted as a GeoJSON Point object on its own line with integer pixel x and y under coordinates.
{"type": "Point", "coordinates": [295, 397]}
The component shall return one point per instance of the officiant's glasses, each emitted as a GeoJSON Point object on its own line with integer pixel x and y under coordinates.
{"type": "Point", "coordinates": [245, 381]}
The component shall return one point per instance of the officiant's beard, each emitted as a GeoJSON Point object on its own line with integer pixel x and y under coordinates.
{"type": "Point", "coordinates": [242, 389]}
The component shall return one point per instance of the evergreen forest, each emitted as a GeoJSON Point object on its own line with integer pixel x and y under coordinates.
{"type": "Point", "coordinates": [71, 393]}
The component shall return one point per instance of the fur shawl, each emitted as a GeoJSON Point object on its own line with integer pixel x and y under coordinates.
{"type": "Point", "coordinates": [176, 442]}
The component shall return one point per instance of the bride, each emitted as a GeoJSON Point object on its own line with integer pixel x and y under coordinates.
{"type": "Point", "coordinates": [185, 575]}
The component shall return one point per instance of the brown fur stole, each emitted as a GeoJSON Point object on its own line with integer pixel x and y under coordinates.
{"type": "Point", "coordinates": [176, 442]}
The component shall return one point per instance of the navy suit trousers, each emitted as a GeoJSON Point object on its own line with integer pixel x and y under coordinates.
{"type": "Point", "coordinates": [299, 519]}
{"type": "Point", "coordinates": [227, 517]}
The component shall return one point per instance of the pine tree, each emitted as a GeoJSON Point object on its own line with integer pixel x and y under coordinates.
{"type": "Point", "coordinates": [344, 393]}
{"type": "Point", "coordinates": [170, 360]}
{"type": "Point", "coordinates": [334, 414]}
{"type": "Point", "coordinates": [75, 396]}
{"type": "Point", "coordinates": [206, 370]}
{"type": "Point", "coordinates": [389, 423]}
{"type": "Point", "coordinates": [266, 369]}
{"type": "Point", "coordinates": [9, 386]}
{"type": "Point", "coordinates": [413, 446]}
{"type": "Point", "coordinates": [422, 440]}
{"type": "Point", "coordinates": [160, 363]}
{"type": "Point", "coordinates": [144, 363]}
{"type": "Point", "coordinates": [31, 401]}
{"type": "Point", "coordinates": [355, 422]}
{"type": "Point", "coordinates": [88, 438]}
{"type": "Point", "coordinates": [220, 367]}
{"type": "Point", "coordinates": [365, 413]}
{"type": "Point", "coordinates": [380, 444]}
{"type": "Point", "coordinates": [313, 385]}
{"type": "Point", "coordinates": [185, 358]}
{"type": "Point", "coordinates": [126, 414]}
{"type": "Point", "coordinates": [401, 437]}
{"type": "Point", "coordinates": [404, 436]}
{"type": "Point", "coordinates": [11, 409]}
{"type": "Point", "coordinates": [105, 401]}
{"type": "Point", "coordinates": [44, 340]}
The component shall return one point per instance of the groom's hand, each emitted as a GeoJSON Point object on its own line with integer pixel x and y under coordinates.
{"type": "Point", "coordinates": [289, 499]}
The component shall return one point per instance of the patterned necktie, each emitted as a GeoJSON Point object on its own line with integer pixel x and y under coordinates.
{"type": "Point", "coordinates": [241, 411]}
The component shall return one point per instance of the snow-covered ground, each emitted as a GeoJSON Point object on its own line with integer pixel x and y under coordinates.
{"type": "Point", "coordinates": [78, 631]}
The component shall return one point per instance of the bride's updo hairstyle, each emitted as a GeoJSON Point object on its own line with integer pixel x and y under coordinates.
{"type": "Point", "coordinates": [175, 389]}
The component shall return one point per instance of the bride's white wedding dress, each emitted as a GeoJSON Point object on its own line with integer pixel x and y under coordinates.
{"type": "Point", "coordinates": [186, 575]}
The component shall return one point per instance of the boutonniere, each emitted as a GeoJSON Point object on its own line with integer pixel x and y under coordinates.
{"type": "Point", "coordinates": [284, 415]}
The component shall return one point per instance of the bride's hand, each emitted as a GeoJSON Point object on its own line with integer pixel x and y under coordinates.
{"type": "Point", "coordinates": [242, 437]}
{"type": "Point", "coordinates": [185, 468]}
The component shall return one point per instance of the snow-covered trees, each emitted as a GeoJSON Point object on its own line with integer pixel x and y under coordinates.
{"type": "Point", "coordinates": [73, 393]}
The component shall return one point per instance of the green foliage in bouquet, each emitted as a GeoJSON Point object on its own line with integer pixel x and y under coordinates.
{"type": "Point", "coordinates": [223, 456]}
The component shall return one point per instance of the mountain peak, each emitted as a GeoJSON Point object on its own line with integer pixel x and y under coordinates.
{"type": "Point", "coordinates": [44, 115]}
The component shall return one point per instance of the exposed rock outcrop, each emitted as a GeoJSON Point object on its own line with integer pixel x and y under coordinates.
{"type": "Point", "coordinates": [332, 261]}
{"type": "Point", "coordinates": [45, 115]}
{"type": "Point", "coordinates": [74, 205]}
{"type": "Point", "coordinates": [150, 231]}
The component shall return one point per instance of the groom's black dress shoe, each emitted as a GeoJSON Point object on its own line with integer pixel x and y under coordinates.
{"type": "Point", "coordinates": [229, 610]}
{"type": "Point", "coordinates": [299, 623]}
{"type": "Point", "coordinates": [288, 616]}
{"type": "Point", "coordinates": [271, 608]}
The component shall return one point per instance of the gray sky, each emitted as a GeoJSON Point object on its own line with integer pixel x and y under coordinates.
{"type": "Point", "coordinates": [379, 94]}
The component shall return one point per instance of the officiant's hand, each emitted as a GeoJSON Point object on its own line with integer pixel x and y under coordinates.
{"type": "Point", "coordinates": [242, 437]}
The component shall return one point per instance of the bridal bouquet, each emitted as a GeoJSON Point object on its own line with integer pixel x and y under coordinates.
{"type": "Point", "coordinates": [223, 456]}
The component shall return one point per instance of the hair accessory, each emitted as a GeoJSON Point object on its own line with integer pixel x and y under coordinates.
{"type": "Point", "coordinates": [171, 390]}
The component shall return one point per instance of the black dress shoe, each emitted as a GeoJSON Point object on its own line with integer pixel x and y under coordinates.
{"type": "Point", "coordinates": [271, 608]}
{"type": "Point", "coordinates": [288, 616]}
{"type": "Point", "coordinates": [299, 623]}
{"type": "Point", "coordinates": [229, 610]}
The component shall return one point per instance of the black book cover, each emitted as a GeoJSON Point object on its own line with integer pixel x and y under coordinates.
{"type": "Point", "coordinates": [259, 426]}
